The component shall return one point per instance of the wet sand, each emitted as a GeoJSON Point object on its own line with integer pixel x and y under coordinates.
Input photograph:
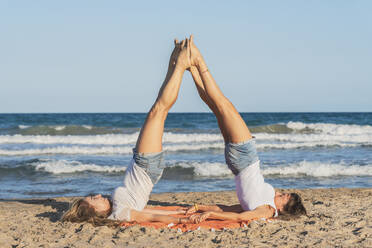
{"type": "Point", "coordinates": [337, 217]}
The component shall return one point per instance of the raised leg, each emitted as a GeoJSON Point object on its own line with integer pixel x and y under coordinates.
{"type": "Point", "coordinates": [203, 95]}
{"type": "Point", "coordinates": [150, 137]}
{"type": "Point", "coordinates": [233, 127]}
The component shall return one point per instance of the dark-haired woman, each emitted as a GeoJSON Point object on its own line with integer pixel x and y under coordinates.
{"type": "Point", "coordinates": [128, 201]}
{"type": "Point", "coordinates": [257, 198]}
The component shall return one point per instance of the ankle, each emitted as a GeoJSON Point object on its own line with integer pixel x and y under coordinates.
{"type": "Point", "coordinates": [202, 66]}
{"type": "Point", "coordinates": [179, 69]}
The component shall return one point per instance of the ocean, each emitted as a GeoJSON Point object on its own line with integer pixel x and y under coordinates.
{"type": "Point", "coordinates": [52, 155]}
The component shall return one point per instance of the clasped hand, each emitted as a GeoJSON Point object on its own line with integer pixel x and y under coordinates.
{"type": "Point", "coordinates": [197, 218]}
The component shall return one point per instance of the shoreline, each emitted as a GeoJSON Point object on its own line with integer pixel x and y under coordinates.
{"type": "Point", "coordinates": [337, 217]}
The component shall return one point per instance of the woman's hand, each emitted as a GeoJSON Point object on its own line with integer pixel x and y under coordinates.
{"type": "Point", "coordinates": [181, 210]}
{"type": "Point", "coordinates": [191, 210]}
{"type": "Point", "coordinates": [197, 218]}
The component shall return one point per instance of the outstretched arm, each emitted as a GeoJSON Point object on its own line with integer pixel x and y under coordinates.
{"type": "Point", "coordinates": [163, 212]}
{"type": "Point", "coordinates": [215, 208]}
{"type": "Point", "coordinates": [260, 212]}
{"type": "Point", "coordinates": [144, 216]}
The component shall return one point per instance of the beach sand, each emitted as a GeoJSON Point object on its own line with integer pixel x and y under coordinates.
{"type": "Point", "coordinates": [337, 217]}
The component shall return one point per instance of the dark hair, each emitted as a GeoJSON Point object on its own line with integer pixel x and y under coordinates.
{"type": "Point", "coordinates": [81, 211]}
{"type": "Point", "coordinates": [293, 209]}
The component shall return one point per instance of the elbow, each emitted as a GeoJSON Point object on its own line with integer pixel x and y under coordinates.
{"type": "Point", "coordinates": [223, 104]}
{"type": "Point", "coordinates": [217, 209]}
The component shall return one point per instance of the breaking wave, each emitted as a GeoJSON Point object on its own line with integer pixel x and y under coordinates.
{"type": "Point", "coordinates": [194, 169]}
{"type": "Point", "coordinates": [293, 135]}
{"type": "Point", "coordinates": [108, 139]}
{"type": "Point", "coordinates": [318, 169]}
{"type": "Point", "coordinates": [279, 128]}
{"type": "Point", "coordinates": [64, 166]}
{"type": "Point", "coordinates": [105, 150]}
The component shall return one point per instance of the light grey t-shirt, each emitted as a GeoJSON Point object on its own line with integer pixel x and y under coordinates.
{"type": "Point", "coordinates": [134, 194]}
{"type": "Point", "coordinates": [251, 189]}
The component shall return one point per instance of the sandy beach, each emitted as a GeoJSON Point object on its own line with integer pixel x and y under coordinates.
{"type": "Point", "coordinates": [337, 217]}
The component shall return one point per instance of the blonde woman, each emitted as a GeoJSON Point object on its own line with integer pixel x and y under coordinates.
{"type": "Point", "coordinates": [128, 202]}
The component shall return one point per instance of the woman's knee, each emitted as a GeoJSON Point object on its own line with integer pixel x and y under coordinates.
{"type": "Point", "coordinates": [158, 110]}
{"type": "Point", "coordinates": [224, 106]}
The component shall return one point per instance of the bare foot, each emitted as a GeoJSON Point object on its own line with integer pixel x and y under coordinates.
{"type": "Point", "coordinates": [174, 55]}
{"type": "Point", "coordinates": [183, 58]}
{"type": "Point", "coordinates": [178, 46]}
{"type": "Point", "coordinates": [196, 58]}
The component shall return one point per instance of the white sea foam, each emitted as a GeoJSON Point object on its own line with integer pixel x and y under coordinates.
{"type": "Point", "coordinates": [23, 126]}
{"type": "Point", "coordinates": [104, 149]}
{"type": "Point", "coordinates": [212, 169]}
{"type": "Point", "coordinates": [68, 150]}
{"type": "Point", "coordinates": [64, 166]}
{"type": "Point", "coordinates": [318, 169]}
{"type": "Point", "coordinates": [296, 145]}
{"type": "Point", "coordinates": [107, 139]}
{"type": "Point", "coordinates": [326, 135]}
{"type": "Point", "coordinates": [193, 147]}
{"type": "Point", "coordinates": [304, 168]}
{"type": "Point", "coordinates": [314, 138]}
{"type": "Point", "coordinates": [193, 137]}
{"type": "Point", "coordinates": [185, 147]}
{"type": "Point", "coordinates": [216, 169]}
{"type": "Point", "coordinates": [207, 169]}
{"type": "Point", "coordinates": [334, 129]}
{"type": "Point", "coordinates": [301, 169]}
{"type": "Point", "coordinates": [202, 169]}
{"type": "Point", "coordinates": [59, 128]}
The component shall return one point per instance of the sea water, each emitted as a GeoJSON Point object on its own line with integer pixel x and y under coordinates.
{"type": "Point", "coordinates": [50, 155]}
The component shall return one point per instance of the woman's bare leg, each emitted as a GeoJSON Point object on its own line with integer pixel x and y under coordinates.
{"type": "Point", "coordinates": [203, 95]}
{"type": "Point", "coordinates": [150, 137]}
{"type": "Point", "coordinates": [232, 126]}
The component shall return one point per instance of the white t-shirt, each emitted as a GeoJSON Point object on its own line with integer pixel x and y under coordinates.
{"type": "Point", "coordinates": [134, 194]}
{"type": "Point", "coordinates": [251, 189]}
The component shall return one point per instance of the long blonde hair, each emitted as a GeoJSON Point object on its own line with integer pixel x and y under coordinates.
{"type": "Point", "coordinates": [81, 211]}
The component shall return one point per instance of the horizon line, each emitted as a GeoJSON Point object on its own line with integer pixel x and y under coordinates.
{"type": "Point", "coordinates": [188, 112]}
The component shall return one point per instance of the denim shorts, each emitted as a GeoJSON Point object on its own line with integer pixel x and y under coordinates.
{"type": "Point", "coordinates": [152, 163]}
{"type": "Point", "coordinates": [240, 155]}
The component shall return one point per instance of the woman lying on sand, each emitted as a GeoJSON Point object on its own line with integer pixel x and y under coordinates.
{"type": "Point", "coordinates": [257, 198]}
{"type": "Point", "coordinates": [128, 201]}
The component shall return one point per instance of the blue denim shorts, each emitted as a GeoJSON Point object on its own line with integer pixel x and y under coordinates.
{"type": "Point", "coordinates": [152, 163]}
{"type": "Point", "coordinates": [240, 155]}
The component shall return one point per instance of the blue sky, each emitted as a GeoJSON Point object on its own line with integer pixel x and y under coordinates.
{"type": "Point", "coordinates": [112, 56]}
